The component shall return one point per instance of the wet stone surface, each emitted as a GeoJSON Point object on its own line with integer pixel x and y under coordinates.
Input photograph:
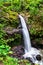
{"type": "Point", "coordinates": [18, 52]}
{"type": "Point", "coordinates": [41, 51]}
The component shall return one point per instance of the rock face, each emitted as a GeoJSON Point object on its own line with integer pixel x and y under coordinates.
{"type": "Point", "coordinates": [18, 51]}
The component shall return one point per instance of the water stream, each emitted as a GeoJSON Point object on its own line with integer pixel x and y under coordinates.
{"type": "Point", "coordinates": [25, 35]}
{"type": "Point", "coordinates": [30, 52]}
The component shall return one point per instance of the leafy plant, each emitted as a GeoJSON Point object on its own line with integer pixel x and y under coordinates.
{"type": "Point", "coordinates": [32, 6]}
{"type": "Point", "coordinates": [18, 5]}
{"type": "Point", "coordinates": [4, 48]}
{"type": "Point", "coordinates": [10, 61]}
{"type": "Point", "coordinates": [15, 61]}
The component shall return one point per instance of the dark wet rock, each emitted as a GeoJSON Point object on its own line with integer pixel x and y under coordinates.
{"type": "Point", "coordinates": [18, 51]}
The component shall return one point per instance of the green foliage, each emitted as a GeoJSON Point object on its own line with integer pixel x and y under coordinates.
{"type": "Point", "coordinates": [33, 31]}
{"type": "Point", "coordinates": [17, 39]}
{"type": "Point", "coordinates": [1, 2]}
{"type": "Point", "coordinates": [32, 6]}
{"type": "Point", "coordinates": [17, 5]}
{"type": "Point", "coordinates": [4, 48]}
{"type": "Point", "coordinates": [15, 61]}
{"type": "Point", "coordinates": [12, 3]}
{"type": "Point", "coordinates": [10, 61]}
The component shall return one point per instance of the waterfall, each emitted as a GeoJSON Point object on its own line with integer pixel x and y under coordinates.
{"type": "Point", "coordinates": [30, 52]}
{"type": "Point", "coordinates": [25, 35]}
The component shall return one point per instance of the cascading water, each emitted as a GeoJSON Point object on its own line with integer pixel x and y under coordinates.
{"type": "Point", "coordinates": [25, 35]}
{"type": "Point", "coordinates": [30, 52]}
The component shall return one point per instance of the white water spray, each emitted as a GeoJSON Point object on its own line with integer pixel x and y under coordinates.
{"type": "Point", "coordinates": [29, 50]}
